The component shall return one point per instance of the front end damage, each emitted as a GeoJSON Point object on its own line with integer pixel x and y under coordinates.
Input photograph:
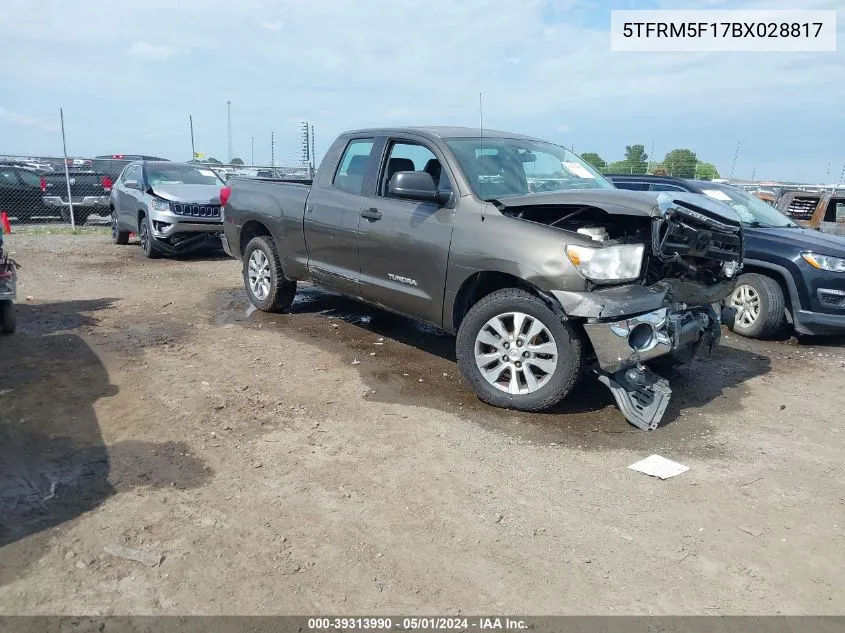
{"type": "Point", "coordinates": [693, 253]}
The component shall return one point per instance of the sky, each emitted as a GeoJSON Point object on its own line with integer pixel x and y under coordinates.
{"type": "Point", "coordinates": [128, 75]}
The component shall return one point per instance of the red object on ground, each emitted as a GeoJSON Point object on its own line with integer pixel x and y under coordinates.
{"type": "Point", "coordinates": [4, 220]}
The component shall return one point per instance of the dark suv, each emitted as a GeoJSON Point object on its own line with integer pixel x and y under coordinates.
{"type": "Point", "coordinates": [790, 273]}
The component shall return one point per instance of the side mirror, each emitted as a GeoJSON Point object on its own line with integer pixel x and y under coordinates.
{"type": "Point", "coordinates": [131, 184]}
{"type": "Point", "coordinates": [416, 185]}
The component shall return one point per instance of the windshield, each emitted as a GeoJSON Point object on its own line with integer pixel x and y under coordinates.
{"type": "Point", "coordinates": [502, 167]}
{"type": "Point", "coordinates": [175, 174]}
{"type": "Point", "coordinates": [752, 211]}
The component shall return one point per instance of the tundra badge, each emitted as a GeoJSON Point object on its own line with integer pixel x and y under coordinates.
{"type": "Point", "coordinates": [404, 280]}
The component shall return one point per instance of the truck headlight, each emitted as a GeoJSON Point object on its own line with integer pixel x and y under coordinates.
{"type": "Point", "coordinates": [824, 262]}
{"type": "Point", "coordinates": [159, 205]}
{"type": "Point", "coordinates": [608, 263]}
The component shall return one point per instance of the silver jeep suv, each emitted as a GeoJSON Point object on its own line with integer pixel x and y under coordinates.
{"type": "Point", "coordinates": [174, 208]}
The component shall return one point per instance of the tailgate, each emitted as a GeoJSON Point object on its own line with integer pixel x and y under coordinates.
{"type": "Point", "coordinates": [82, 185]}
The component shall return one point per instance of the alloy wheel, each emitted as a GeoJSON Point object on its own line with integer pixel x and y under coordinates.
{"type": "Point", "coordinates": [259, 274]}
{"type": "Point", "coordinates": [746, 300]}
{"type": "Point", "coordinates": [516, 353]}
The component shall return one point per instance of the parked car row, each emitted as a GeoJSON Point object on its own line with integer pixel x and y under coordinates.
{"type": "Point", "coordinates": [29, 192]}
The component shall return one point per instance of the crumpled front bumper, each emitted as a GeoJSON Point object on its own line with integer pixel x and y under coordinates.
{"type": "Point", "coordinates": [624, 343]}
{"type": "Point", "coordinates": [634, 323]}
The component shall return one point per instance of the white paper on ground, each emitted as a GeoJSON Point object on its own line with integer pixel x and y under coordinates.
{"type": "Point", "coordinates": [658, 466]}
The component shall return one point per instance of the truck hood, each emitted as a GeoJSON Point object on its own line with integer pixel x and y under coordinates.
{"type": "Point", "coordinates": [788, 241]}
{"type": "Point", "coordinates": [625, 202]}
{"type": "Point", "coordinates": [187, 193]}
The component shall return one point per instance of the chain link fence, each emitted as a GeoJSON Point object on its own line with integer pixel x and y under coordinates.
{"type": "Point", "coordinates": [77, 191]}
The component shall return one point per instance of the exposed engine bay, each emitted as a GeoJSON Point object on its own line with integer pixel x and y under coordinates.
{"type": "Point", "coordinates": [684, 244]}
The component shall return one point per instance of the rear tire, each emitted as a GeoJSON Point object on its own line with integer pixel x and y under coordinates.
{"type": "Point", "coordinates": [544, 377]}
{"type": "Point", "coordinates": [8, 321]}
{"type": "Point", "coordinates": [148, 245]}
{"type": "Point", "coordinates": [118, 236]}
{"type": "Point", "coordinates": [265, 283]}
{"type": "Point", "coordinates": [760, 305]}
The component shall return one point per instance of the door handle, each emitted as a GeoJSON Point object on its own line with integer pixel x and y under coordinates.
{"type": "Point", "coordinates": [371, 214]}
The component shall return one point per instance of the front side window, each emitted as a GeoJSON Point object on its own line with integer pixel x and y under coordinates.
{"type": "Point", "coordinates": [502, 167]}
{"type": "Point", "coordinates": [406, 156]}
{"type": "Point", "coordinates": [175, 174]}
{"type": "Point", "coordinates": [131, 173]}
{"type": "Point", "coordinates": [29, 178]}
{"type": "Point", "coordinates": [353, 165]}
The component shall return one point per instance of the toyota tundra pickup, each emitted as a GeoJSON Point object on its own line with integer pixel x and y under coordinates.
{"type": "Point", "coordinates": [539, 265]}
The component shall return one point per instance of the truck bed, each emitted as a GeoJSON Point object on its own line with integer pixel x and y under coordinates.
{"type": "Point", "coordinates": [274, 202]}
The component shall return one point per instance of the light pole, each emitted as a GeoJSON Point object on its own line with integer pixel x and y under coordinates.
{"type": "Point", "coordinates": [229, 128]}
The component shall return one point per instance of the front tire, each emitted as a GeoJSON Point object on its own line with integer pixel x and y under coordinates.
{"type": "Point", "coordinates": [265, 283]}
{"type": "Point", "coordinates": [8, 321]}
{"type": "Point", "coordinates": [760, 306]}
{"type": "Point", "coordinates": [148, 245]}
{"type": "Point", "coordinates": [516, 353]}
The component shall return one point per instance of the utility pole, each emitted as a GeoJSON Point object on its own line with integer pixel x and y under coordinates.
{"type": "Point", "coordinates": [313, 159]}
{"type": "Point", "coordinates": [650, 156]}
{"type": "Point", "coordinates": [827, 175]}
{"type": "Point", "coordinates": [733, 164]}
{"type": "Point", "coordinates": [193, 149]}
{"type": "Point", "coordinates": [305, 146]}
{"type": "Point", "coordinates": [272, 149]}
{"type": "Point", "coordinates": [252, 150]}
{"type": "Point", "coordinates": [67, 174]}
{"type": "Point", "coordinates": [753, 173]}
{"type": "Point", "coordinates": [839, 182]}
{"type": "Point", "coordinates": [229, 128]}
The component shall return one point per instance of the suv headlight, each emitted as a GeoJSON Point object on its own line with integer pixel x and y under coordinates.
{"type": "Point", "coordinates": [824, 262]}
{"type": "Point", "coordinates": [159, 205]}
{"type": "Point", "coordinates": [608, 263]}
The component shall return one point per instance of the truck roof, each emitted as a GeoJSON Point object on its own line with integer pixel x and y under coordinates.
{"type": "Point", "coordinates": [443, 132]}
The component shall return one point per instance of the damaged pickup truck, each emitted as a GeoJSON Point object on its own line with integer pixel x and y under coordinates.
{"type": "Point", "coordinates": [540, 266]}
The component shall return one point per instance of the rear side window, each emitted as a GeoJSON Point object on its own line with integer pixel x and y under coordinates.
{"type": "Point", "coordinates": [353, 165]}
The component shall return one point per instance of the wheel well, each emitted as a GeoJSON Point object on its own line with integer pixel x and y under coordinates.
{"type": "Point", "coordinates": [250, 230]}
{"type": "Point", "coordinates": [767, 272]}
{"type": "Point", "coordinates": [479, 285]}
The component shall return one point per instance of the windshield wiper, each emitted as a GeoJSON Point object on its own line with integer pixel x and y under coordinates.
{"type": "Point", "coordinates": [756, 224]}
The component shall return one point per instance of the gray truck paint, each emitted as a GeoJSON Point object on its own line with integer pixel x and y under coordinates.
{"type": "Point", "coordinates": [420, 258]}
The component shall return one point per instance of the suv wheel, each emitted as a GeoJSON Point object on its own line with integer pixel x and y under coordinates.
{"type": "Point", "coordinates": [145, 234]}
{"type": "Point", "coordinates": [516, 353]}
{"type": "Point", "coordinates": [118, 236]}
{"type": "Point", "coordinates": [760, 306]}
{"type": "Point", "coordinates": [265, 283]}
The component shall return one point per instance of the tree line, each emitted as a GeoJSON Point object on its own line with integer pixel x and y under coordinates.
{"type": "Point", "coordinates": [681, 163]}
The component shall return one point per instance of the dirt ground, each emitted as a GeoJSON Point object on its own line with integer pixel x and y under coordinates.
{"type": "Point", "coordinates": [331, 461]}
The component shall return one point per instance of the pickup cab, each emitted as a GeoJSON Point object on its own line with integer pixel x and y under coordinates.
{"type": "Point", "coordinates": [540, 266]}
